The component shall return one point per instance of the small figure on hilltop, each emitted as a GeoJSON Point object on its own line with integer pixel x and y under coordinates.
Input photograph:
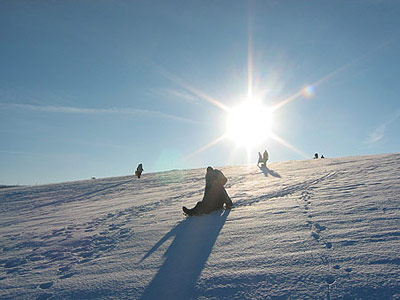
{"type": "Point", "coordinates": [322, 156]}
{"type": "Point", "coordinates": [260, 159]}
{"type": "Point", "coordinates": [316, 156]}
{"type": "Point", "coordinates": [215, 195]}
{"type": "Point", "coordinates": [265, 158]}
{"type": "Point", "coordinates": [139, 170]}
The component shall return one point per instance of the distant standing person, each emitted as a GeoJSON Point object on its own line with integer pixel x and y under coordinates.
{"type": "Point", "coordinates": [260, 159]}
{"type": "Point", "coordinates": [265, 158]}
{"type": "Point", "coordinates": [139, 170]}
{"type": "Point", "coordinates": [316, 156]}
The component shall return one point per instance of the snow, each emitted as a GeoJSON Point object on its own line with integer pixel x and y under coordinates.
{"type": "Point", "coordinates": [313, 229]}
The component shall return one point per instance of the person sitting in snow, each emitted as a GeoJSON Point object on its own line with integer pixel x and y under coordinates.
{"type": "Point", "coordinates": [215, 195]}
{"type": "Point", "coordinates": [139, 170]}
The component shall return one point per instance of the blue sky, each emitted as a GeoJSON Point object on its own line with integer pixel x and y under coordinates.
{"type": "Point", "coordinates": [92, 88]}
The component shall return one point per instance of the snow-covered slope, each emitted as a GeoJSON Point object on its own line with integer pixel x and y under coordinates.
{"type": "Point", "coordinates": [315, 229]}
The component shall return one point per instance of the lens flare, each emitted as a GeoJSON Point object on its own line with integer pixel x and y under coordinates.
{"type": "Point", "coordinates": [308, 91]}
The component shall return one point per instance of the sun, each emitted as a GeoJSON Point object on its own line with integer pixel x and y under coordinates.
{"type": "Point", "coordinates": [249, 124]}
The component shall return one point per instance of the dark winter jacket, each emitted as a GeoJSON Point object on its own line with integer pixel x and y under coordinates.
{"type": "Point", "coordinates": [215, 195]}
{"type": "Point", "coordinates": [139, 170]}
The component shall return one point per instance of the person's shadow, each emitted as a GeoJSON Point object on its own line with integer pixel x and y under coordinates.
{"type": "Point", "coordinates": [267, 171]}
{"type": "Point", "coordinates": [193, 242]}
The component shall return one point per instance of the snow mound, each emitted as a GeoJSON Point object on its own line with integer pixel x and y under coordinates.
{"type": "Point", "coordinates": [315, 229]}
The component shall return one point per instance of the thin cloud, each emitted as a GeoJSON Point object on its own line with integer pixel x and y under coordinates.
{"type": "Point", "coordinates": [80, 110]}
{"type": "Point", "coordinates": [379, 132]}
{"type": "Point", "coordinates": [174, 94]}
{"type": "Point", "coordinates": [377, 135]}
{"type": "Point", "coordinates": [181, 95]}
{"type": "Point", "coordinates": [200, 94]}
{"type": "Point", "coordinates": [96, 144]}
{"type": "Point", "coordinates": [22, 153]}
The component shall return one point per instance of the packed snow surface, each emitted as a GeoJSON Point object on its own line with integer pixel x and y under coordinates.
{"type": "Point", "coordinates": [314, 229]}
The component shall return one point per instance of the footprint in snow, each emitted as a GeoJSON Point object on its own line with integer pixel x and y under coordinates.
{"type": "Point", "coordinates": [103, 240]}
{"type": "Point", "coordinates": [89, 229]}
{"type": "Point", "coordinates": [124, 233]}
{"type": "Point", "coordinates": [14, 237]}
{"type": "Point", "coordinates": [348, 270]}
{"type": "Point", "coordinates": [46, 285]}
{"type": "Point", "coordinates": [34, 257]}
{"type": "Point", "coordinates": [86, 254]}
{"type": "Point", "coordinates": [14, 262]}
{"type": "Point", "coordinates": [305, 195]}
{"type": "Point", "coordinates": [315, 235]}
{"type": "Point", "coordinates": [14, 270]}
{"type": "Point", "coordinates": [44, 296]}
{"type": "Point", "coordinates": [330, 279]}
{"type": "Point", "coordinates": [349, 243]}
{"type": "Point", "coordinates": [113, 227]}
{"type": "Point", "coordinates": [84, 261]}
{"type": "Point", "coordinates": [68, 275]}
{"type": "Point", "coordinates": [64, 269]}
{"type": "Point", "coordinates": [319, 227]}
{"type": "Point", "coordinates": [57, 232]}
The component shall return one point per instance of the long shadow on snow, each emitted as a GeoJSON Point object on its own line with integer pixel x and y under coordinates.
{"type": "Point", "coordinates": [267, 172]}
{"type": "Point", "coordinates": [185, 257]}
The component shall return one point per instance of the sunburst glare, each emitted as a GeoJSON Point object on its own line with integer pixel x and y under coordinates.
{"type": "Point", "coordinates": [249, 124]}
